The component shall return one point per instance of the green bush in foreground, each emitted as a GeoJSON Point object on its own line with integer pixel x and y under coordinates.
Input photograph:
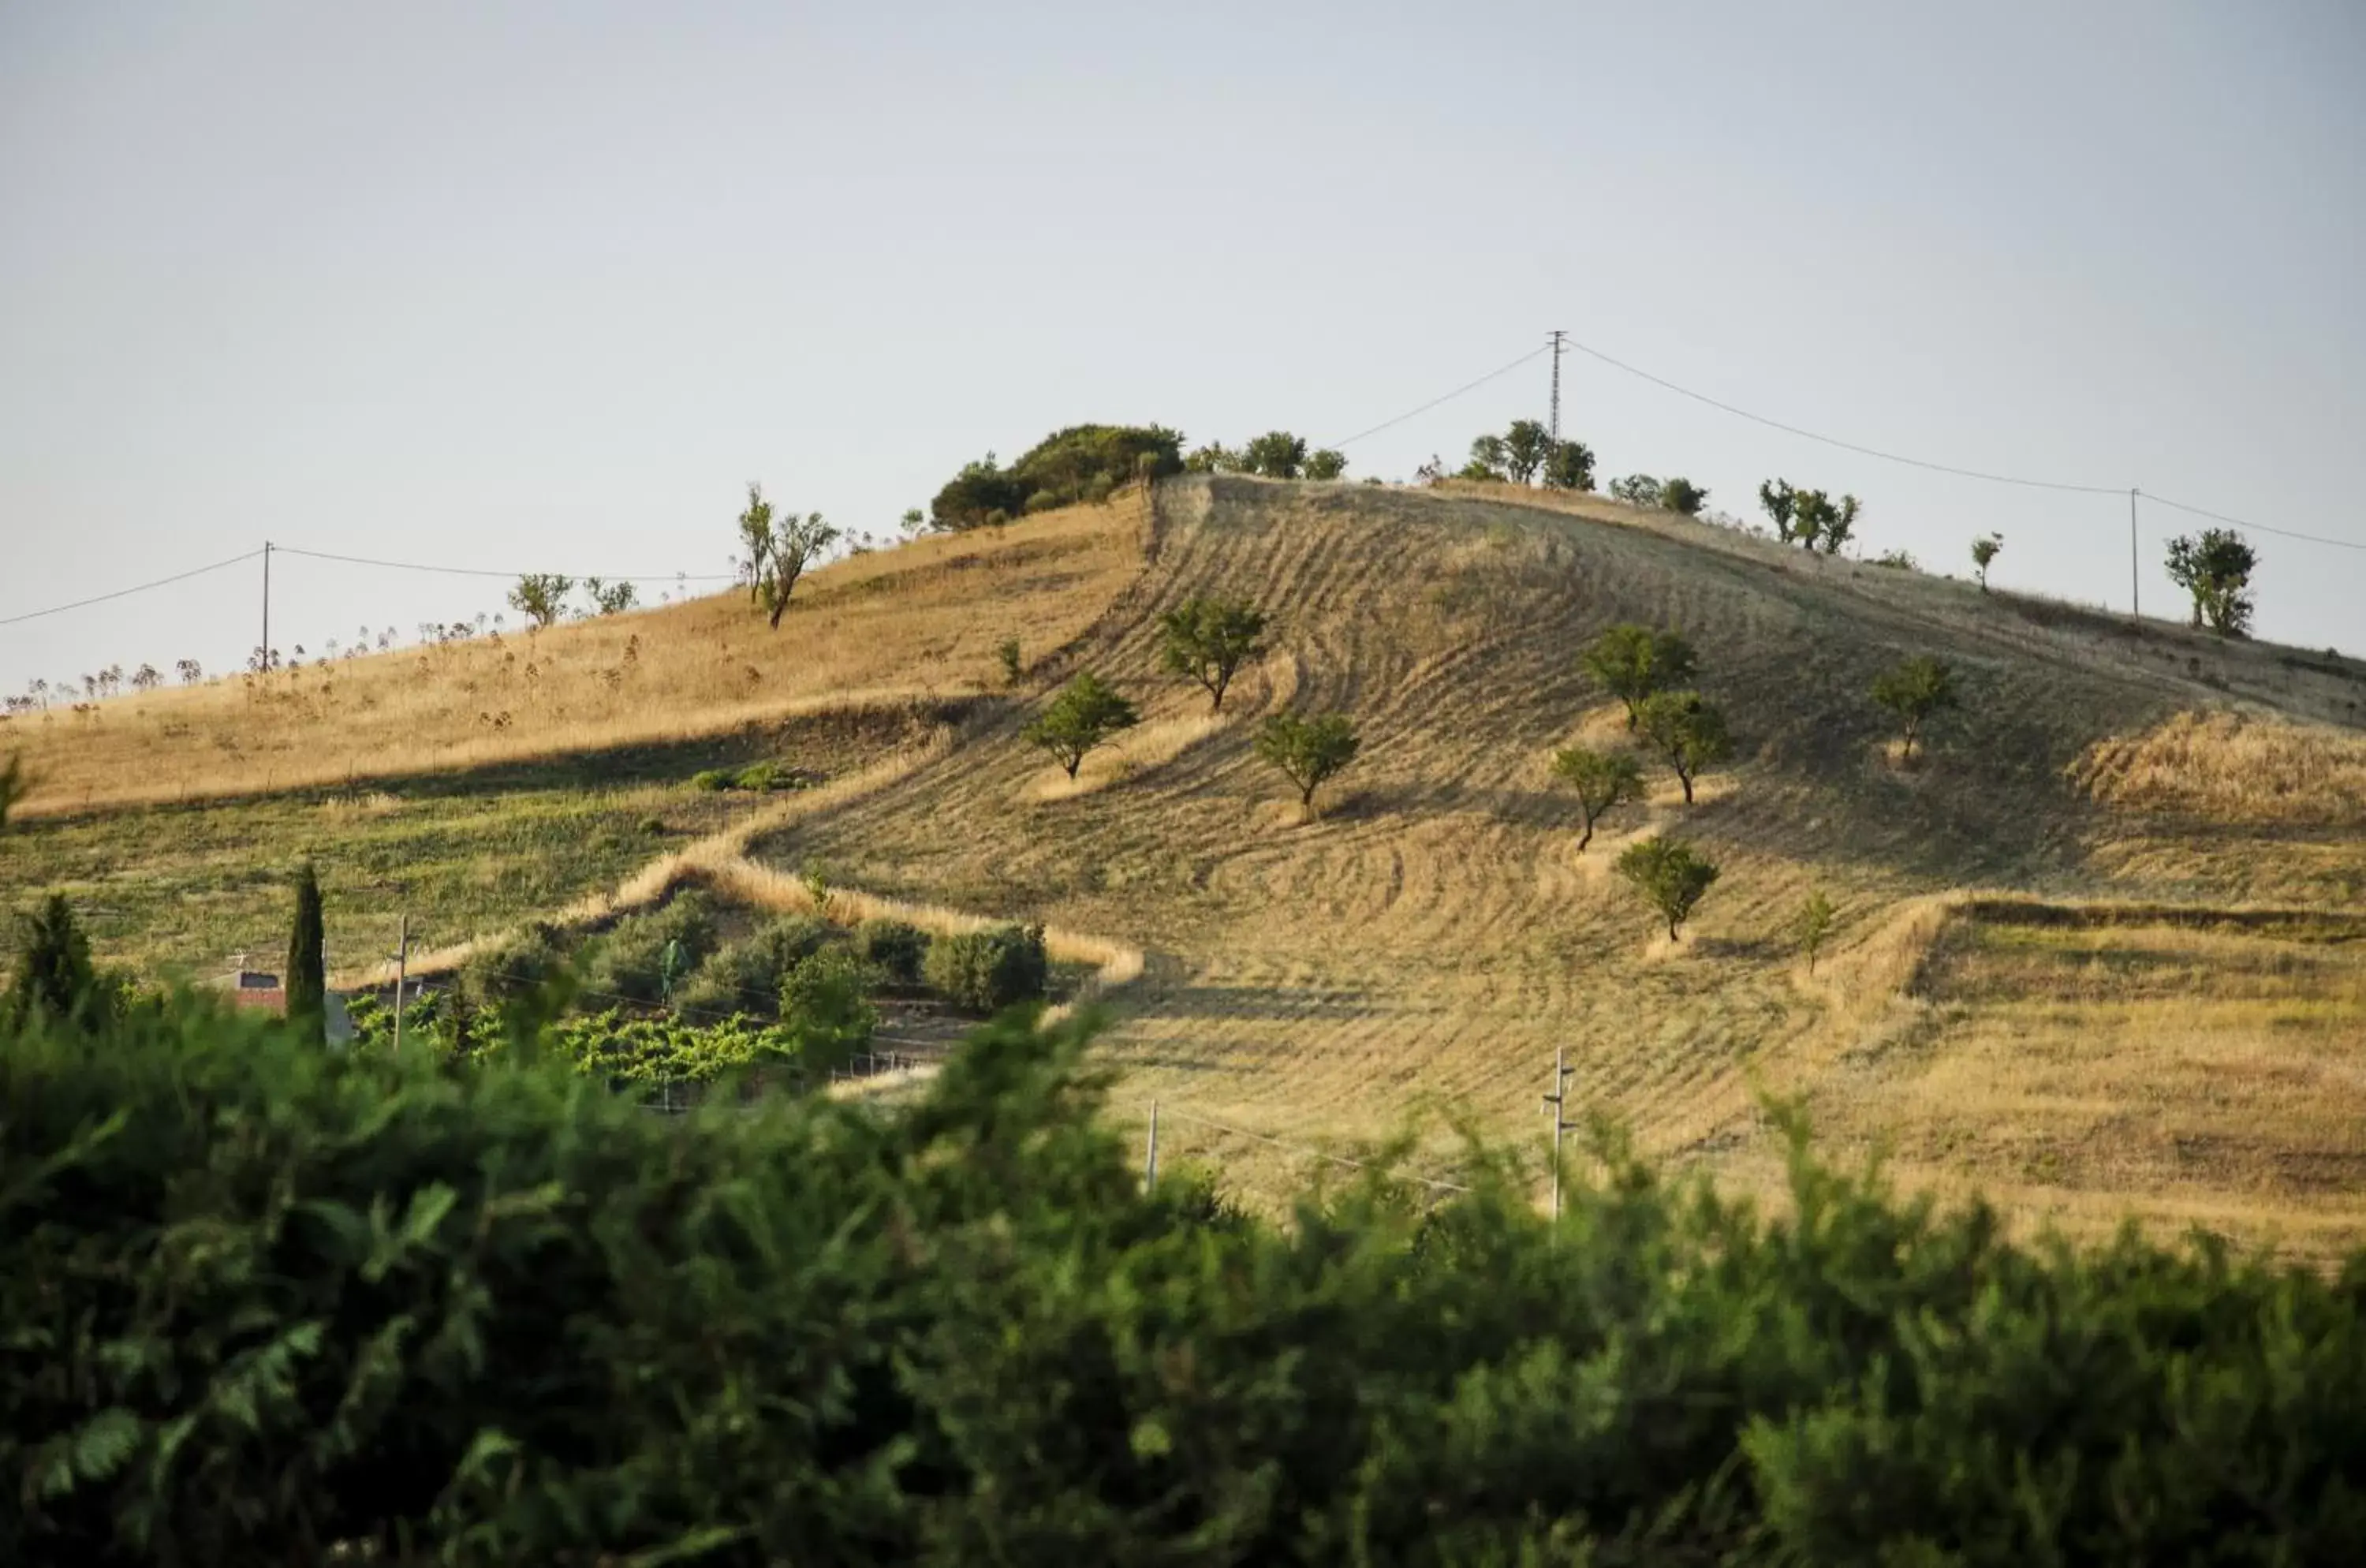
{"type": "Point", "coordinates": [896, 948]}
{"type": "Point", "coordinates": [268, 1303]}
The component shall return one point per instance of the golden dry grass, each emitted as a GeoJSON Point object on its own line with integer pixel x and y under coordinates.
{"type": "Point", "coordinates": [2234, 767]}
{"type": "Point", "coordinates": [1424, 946]}
{"type": "Point", "coordinates": [919, 622]}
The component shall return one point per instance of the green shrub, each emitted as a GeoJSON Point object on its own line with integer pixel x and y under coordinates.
{"type": "Point", "coordinates": [986, 971]}
{"type": "Point", "coordinates": [630, 964]}
{"type": "Point", "coordinates": [825, 1005]}
{"type": "Point", "coordinates": [262, 1298]}
{"type": "Point", "coordinates": [1097, 489]}
{"type": "Point", "coordinates": [896, 948]}
{"type": "Point", "coordinates": [1043, 500]}
{"type": "Point", "coordinates": [511, 966]}
{"type": "Point", "coordinates": [714, 779]}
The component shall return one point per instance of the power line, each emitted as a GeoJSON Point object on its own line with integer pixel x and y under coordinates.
{"type": "Point", "coordinates": [125, 593]}
{"type": "Point", "coordinates": [1384, 424]}
{"type": "Point", "coordinates": [1315, 1153]}
{"type": "Point", "coordinates": [488, 572]}
{"type": "Point", "coordinates": [1835, 441]}
{"type": "Point", "coordinates": [2261, 527]}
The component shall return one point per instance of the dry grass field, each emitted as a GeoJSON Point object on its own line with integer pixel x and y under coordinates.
{"type": "Point", "coordinates": [1418, 949]}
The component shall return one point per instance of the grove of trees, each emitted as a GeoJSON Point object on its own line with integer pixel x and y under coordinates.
{"type": "Point", "coordinates": [1276, 454]}
{"type": "Point", "coordinates": [1525, 453]}
{"type": "Point", "coordinates": [1809, 518]}
{"type": "Point", "coordinates": [1081, 463]}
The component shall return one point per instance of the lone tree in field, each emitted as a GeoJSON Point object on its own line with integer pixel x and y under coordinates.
{"type": "Point", "coordinates": [1277, 454]}
{"type": "Point", "coordinates": [1309, 750]}
{"type": "Point", "coordinates": [1600, 780]}
{"type": "Point", "coordinates": [1669, 875]}
{"type": "Point", "coordinates": [1688, 730]}
{"type": "Point", "coordinates": [1985, 550]}
{"type": "Point", "coordinates": [1207, 639]}
{"type": "Point", "coordinates": [541, 596]}
{"type": "Point", "coordinates": [1632, 661]}
{"type": "Point", "coordinates": [1085, 714]}
{"type": "Point", "coordinates": [779, 548]}
{"type": "Point", "coordinates": [307, 985]}
{"type": "Point", "coordinates": [1914, 689]}
{"type": "Point", "coordinates": [2215, 566]}
{"type": "Point", "coordinates": [1813, 923]}
{"type": "Point", "coordinates": [1570, 466]}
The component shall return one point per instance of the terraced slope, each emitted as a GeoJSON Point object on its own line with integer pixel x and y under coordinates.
{"type": "Point", "coordinates": [1434, 938]}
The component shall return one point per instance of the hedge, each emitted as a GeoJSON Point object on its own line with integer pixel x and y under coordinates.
{"type": "Point", "coordinates": [266, 1303]}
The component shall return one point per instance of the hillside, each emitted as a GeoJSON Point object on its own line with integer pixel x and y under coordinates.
{"type": "Point", "coordinates": [2089, 958]}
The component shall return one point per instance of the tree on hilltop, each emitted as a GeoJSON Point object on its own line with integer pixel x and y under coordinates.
{"type": "Point", "coordinates": [1276, 454]}
{"type": "Point", "coordinates": [1208, 639]}
{"type": "Point", "coordinates": [1309, 751]}
{"type": "Point", "coordinates": [1682, 496]}
{"type": "Point", "coordinates": [541, 596]}
{"type": "Point", "coordinates": [1809, 518]}
{"type": "Point", "coordinates": [1914, 689]}
{"type": "Point", "coordinates": [1985, 550]}
{"type": "Point", "coordinates": [1688, 730]}
{"type": "Point", "coordinates": [1491, 460]}
{"type": "Point", "coordinates": [1325, 463]}
{"type": "Point", "coordinates": [1526, 445]}
{"type": "Point", "coordinates": [1600, 780]}
{"type": "Point", "coordinates": [1670, 877]}
{"type": "Point", "coordinates": [1084, 715]}
{"type": "Point", "coordinates": [1570, 466]}
{"type": "Point", "coordinates": [2215, 566]}
{"type": "Point", "coordinates": [778, 550]}
{"type": "Point", "coordinates": [610, 598]}
{"type": "Point", "coordinates": [1632, 661]}
{"type": "Point", "coordinates": [1636, 490]}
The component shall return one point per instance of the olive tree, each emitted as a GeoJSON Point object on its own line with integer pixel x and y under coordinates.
{"type": "Point", "coordinates": [1084, 715]}
{"type": "Point", "coordinates": [1207, 639]}
{"type": "Point", "coordinates": [1310, 751]}
{"type": "Point", "coordinates": [1985, 550]}
{"type": "Point", "coordinates": [1670, 875]}
{"type": "Point", "coordinates": [1323, 463]}
{"type": "Point", "coordinates": [1600, 780]}
{"type": "Point", "coordinates": [2215, 566]}
{"type": "Point", "coordinates": [1688, 730]}
{"type": "Point", "coordinates": [1632, 661]}
{"type": "Point", "coordinates": [779, 548]}
{"type": "Point", "coordinates": [541, 596]}
{"type": "Point", "coordinates": [1914, 689]}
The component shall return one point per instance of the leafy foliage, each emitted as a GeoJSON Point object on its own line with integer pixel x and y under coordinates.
{"type": "Point", "coordinates": [895, 947]}
{"type": "Point", "coordinates": [1007, 654]}
{"type": "Point", "coordinates": [306, 984]}
{"type": "Point", "coordinates": [1985, 550]}
{"type": "Point", "coordinates": [986, 971]}
{"type": "Point", "coordinates": [16, 782]}
{"type": "Point", "coordinates": [1084, 715]}
{"type": "Point", "coordinates": [1636, 490]}
{"type": "Point", "coordinates": [1325, 463]}
{"type": "Point", "coordinates": [263, 1298]}
{"type": "Point", "coordinates": [1083, 462]}
{"type": "Point", "coordinates": [1276, 454]}
{"type": "Point", "coordinates": [1914, 689]}
{"type": "Point", "coordinates": [1688, 730]}
{"type": "Point", "coordinates": [2215, 566]}
{"type": "Point", "coordinates": [1632, 661]}
{"type": "Point", "coordinates": [1600, 780]}
{"type": "Point", "coordinates": [1570, 466]}
{"type": "Point", "coordinates": [1670, 875]}
{"type": "Point", "coordinates": [1813, 924]}
{"type": "Point", "coordinates": [1809, 518]}
{"type": "Point", "coordinates": [1208, 640]}
{"type": "Point", "coordinates": [610, 598]}
{"type": "Point", "coordinates": [541, 596]}
{"type": "Point", "coordinates": [53, 973]}
{"type": "Point", "coordinates": [776, 551]}
{"type": "Point", "coordinates": [1681, 496]}
{"type": "Point", "coordinates": [1309, 751]}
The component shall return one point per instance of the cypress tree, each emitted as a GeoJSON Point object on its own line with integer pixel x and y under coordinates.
{"type": "Point", "coordinates": [307, 981]}
{"type": "Point", "coordinates": [53, 971]}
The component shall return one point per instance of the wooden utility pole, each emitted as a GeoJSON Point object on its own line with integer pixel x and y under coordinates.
{"type": "Point", "coordinates": [402, 973]}
{"type": "Point", "coordinates": [1150, 1159]}
{"type": "Point", "coordinates": [1558, 1101]}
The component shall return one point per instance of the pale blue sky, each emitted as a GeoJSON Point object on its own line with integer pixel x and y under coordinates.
{"type": "Point", "coordinates": [542, 285]}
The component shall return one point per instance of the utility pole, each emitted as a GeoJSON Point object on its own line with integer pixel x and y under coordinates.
{"type": "Point", "coordinates": [265, 655]}
{"type": "Point", "coordinates": [1150, 1160]}
{"type": "Point", "coordinates": [402, 973]}
{"type": "Point", "coordinates": [1557, 336]}
{"type": "Point", "coordinates": [1559, 1102]}
{"type": "Point", "coordinates": [2135, 593]}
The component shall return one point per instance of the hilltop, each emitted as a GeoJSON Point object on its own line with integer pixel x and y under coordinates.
{"type": "Point", "coordinates": [2089, 956]}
